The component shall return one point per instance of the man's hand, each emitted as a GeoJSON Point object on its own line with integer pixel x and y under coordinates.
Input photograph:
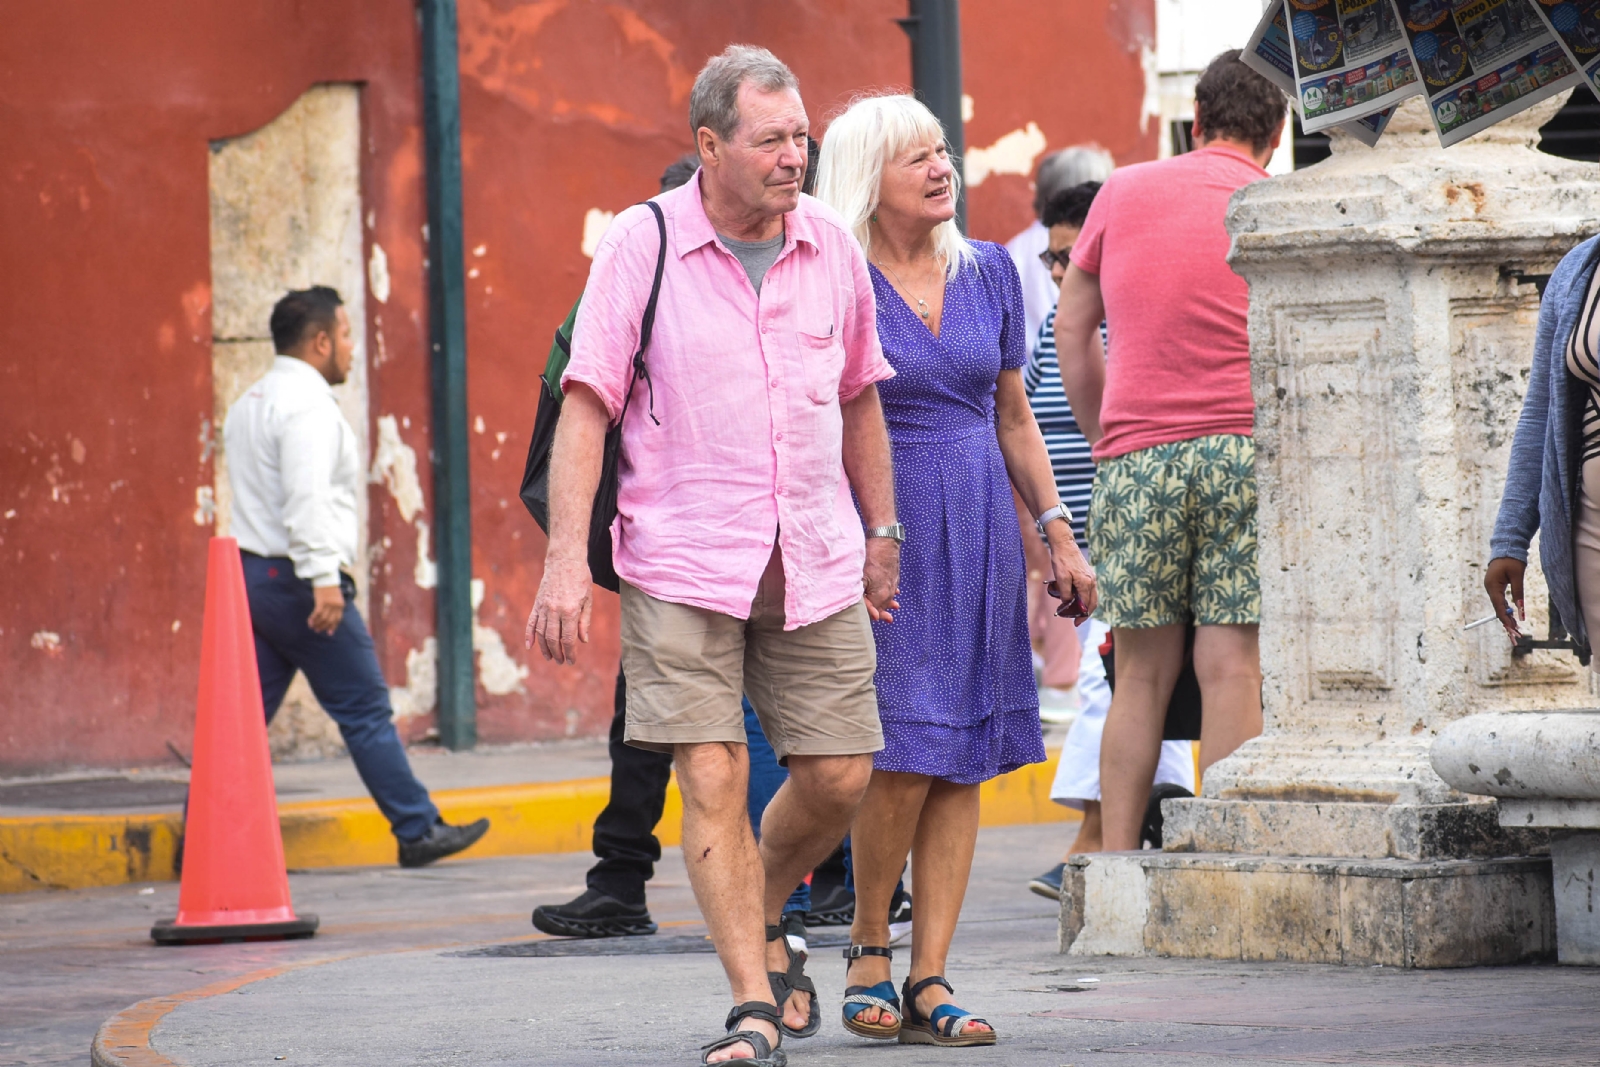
{"type": "Point", "coordinates": [560, 616]}
{"type": "Point", "coordinates": [328, 612]}
{"type": "Point", "coordinates": [881, 578]}
{"type": "Point", "coordinates": [1502, 572]}
{"type": "Point", "coordinates": [1071, 571]}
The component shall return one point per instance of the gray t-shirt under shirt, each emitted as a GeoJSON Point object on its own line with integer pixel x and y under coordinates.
{"type": "Point", "coordinates": [757, 257]}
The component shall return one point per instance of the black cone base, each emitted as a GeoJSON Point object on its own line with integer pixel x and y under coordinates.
{"type": "Point", "coordinates": [168, 932]}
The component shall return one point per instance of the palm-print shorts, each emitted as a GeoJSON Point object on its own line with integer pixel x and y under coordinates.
{"type": "Point", "coordinates": [1172, 532]}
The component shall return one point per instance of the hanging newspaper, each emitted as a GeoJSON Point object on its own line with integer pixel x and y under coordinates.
{"type": "Point", "coordinates": [1350, 59]}
{"type": "Point", "coordinates": [1267, 53]}
{"type": "Point", "coordinates": [1483, 60]}
{"type": "Point", "coordinates": [1577, 24]}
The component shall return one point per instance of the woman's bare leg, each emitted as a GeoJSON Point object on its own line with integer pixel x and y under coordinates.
{"type": "Point", "coordinates": [941, 862]}
{"type": "Point", "coordinates": [884, 828]}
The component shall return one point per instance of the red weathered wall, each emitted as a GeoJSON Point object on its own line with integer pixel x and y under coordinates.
{"type": "Point", "coordinates": [567, 105]}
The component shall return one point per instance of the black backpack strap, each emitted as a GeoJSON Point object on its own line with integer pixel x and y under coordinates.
{"type": "Point", "coordinates": [647, 325]}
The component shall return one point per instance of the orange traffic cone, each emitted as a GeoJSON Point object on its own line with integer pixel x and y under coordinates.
{"type": "Point", "coordinates": [234, 883]}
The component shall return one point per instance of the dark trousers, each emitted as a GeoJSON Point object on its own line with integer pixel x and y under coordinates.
{"type": "Point", "coordinates": [624, 833]}
{"type": "Point", "coordinates": [344, 674]}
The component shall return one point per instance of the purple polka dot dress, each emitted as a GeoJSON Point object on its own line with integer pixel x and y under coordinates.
{"type": "Point", "coordinates": [955, 668]}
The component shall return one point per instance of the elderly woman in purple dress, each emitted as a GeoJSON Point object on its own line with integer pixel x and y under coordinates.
{"type": "Point", "coordinates": [955, 671]}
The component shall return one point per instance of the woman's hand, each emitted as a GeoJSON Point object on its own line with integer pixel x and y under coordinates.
{"type": "Point", "coordinates": [880, 579]}
{"type": "Point", "coordinates": [1504, 571]}
{"type": "Point", "coordinates": [1071, 571]}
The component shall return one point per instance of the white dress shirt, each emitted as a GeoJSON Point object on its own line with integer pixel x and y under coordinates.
{"type": "Point", "coordinates": [1039, 290]}
{"type": "Point", "coordinates": [295, 472]}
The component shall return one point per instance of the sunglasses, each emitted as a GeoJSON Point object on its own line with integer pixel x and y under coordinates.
{"type": "Point", "coordinates": [1071, 608]}
{"type": "Point", "coordinates": [1050, 259]}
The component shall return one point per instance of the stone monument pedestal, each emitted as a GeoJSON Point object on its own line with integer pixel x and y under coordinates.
{"type": "Point", "coordinates": [1393, 300]}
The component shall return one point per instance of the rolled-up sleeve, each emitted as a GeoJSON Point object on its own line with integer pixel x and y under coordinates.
{"type": "Point", "coordinates": [606, 334]}
{"type": "Point", "coordinates": [864, 362]}
{"type": "Point", "coordinates": [307, 451]}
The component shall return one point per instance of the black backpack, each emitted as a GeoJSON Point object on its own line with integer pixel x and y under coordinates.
{"type": "Point", "coordinates": [535, 491]}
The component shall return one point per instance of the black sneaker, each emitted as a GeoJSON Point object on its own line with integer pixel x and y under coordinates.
{"type": "Point", "coordinates": [1150, 832]}
{"type": "Point", "coordinates": [1048, 884]}
{"type": "Point", "coordinates": [831, 905]}
{"type": "Point", "coordinates": [899, 916]}
{"type": "Point", "coordinates": [441, 840]}
{"type": "Point", "coordinates": [593, 914]}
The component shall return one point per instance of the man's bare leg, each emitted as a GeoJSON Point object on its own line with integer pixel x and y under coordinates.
{"type": "Point", "coordinates": [804, 822]}
{"type": "Point", "coordinates": [1148, 663]}
{"type": "Point", "coordinates": [879, 843]}
{"type": "Point", "coordinates": [1227, 663]}
{"type": "Point", "coordinates": [1090, 837]}
{"type": "Point", "coordinates": [725, 871]}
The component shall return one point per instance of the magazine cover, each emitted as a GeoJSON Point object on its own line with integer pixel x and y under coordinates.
{"type": "Point", "coordinates": [1576, 23]}
{"type": "Point", "coordinates": [1482, 60]}
{"type": "Point", "coordinates": [1267, 53]}
{"type": "Point", "coordinates": [1350, 59]}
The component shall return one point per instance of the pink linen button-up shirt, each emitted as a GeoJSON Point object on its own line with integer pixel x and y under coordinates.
{"type": "Point", "coordinates": [747, 390]}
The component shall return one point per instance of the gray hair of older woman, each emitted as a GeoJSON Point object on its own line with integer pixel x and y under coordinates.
{"type": "Point", "coordinates": [714, 100]}
{"type": "Point", "coordinates": [1066, 168]}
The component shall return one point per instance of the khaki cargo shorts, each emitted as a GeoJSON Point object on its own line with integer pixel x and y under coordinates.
{"type": "Point", "coordinates": [687, 668]}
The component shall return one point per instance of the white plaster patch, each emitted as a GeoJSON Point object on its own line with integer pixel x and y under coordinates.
{"type": "Point", "coordinates": [378, 274]}
{"type": "Point", "coordinates": [499, 673]}
{"type": "Point", "coordinates": [1151, 107]}
{"type": "Point", "coordinates": [481, 251]}
{"type": "Point", "coordinates": [595, 225]}
{"type": "Point", "coordinates": [395, 465]}
{"type": "Point", "coordinates": [966, 107]}
{"type": "Point", "coordinates": [477, 425]}
{"type": "Point", "coordinates": [46, 642]}
{"type": "Point", "coordinates": [205, 506]}
{"type": "Point", "coordinates": [1013, 153]}
{"type": "Point", "coordinates": [421, 692]}
{"type": "Point", "coordinates": [426, 572]}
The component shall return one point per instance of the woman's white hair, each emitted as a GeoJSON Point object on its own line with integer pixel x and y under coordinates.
{"type": "Point", "coordinates": [872, 131]}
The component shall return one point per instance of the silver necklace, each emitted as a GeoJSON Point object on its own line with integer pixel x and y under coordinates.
{"type": "Point", "coordinates": [922, 305]}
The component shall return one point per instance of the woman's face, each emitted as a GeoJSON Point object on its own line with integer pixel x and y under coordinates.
{"type": "Point", "coordinates": [916, 186]}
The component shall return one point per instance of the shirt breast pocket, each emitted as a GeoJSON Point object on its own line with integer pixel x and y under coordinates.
{"type": "Point", "coordinates": [823, 356]}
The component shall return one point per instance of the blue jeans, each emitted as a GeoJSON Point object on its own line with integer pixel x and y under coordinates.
{"type": "Point", "coordinates": [344, 674]}
{"type": "Point", "coordinates": [765, 778]}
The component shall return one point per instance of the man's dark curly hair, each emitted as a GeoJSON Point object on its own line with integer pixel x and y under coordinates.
{"type": "Point", "coordinates": [1070, 206]}
{"type": "Point", "coordinates": [1233, 101]}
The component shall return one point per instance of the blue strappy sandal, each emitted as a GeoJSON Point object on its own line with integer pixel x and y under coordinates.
{"type": "Point", "coordinates": [859, 998]}
{"type": "Point", "coordinates": [945, 1025]}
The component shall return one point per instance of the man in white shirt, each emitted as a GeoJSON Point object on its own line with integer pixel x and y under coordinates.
{"type": "Point", "coordinates": [296, 473]}
{"type": "Point", "coordinates": [1057, 171]}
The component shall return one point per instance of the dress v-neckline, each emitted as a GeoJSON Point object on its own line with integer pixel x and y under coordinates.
{"type": "Point", "coordinates": [944, 303]}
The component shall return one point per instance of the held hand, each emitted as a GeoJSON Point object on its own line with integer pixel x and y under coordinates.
{"type": "Point", "coordinates": [560, 616]}
{"type": "Point", "coordinates": [880, 578]}
{"type": "Point", "coordinates": [328, 611]}
{"type": "Point", "coordinates": [1504, 571]}
{"type": "Point", "coordinates": [1072, 572]}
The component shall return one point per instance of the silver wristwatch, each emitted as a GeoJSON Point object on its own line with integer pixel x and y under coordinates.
{"type": "Point", "coordinates": [897, 532]}
{"type": "Point", "coordinates": [1060, 511]}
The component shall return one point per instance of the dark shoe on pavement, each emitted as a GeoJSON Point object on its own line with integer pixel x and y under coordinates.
{"type": "Point", "coordinates": [899, 915]}
{"type": "Point", "coordinates": [1048, 884]}
{"type": "Point", "coordinates": [1150, 832]}
{"type": "Point", "coordinates": [441, 840]}
{"type": "Point", "coordinates": [594, 914]}
{"type": "Point", "coordinates": [831, 905]}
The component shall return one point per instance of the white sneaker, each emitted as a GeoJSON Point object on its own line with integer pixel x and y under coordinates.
{"type": "Point", "coordinates": [1059, 706]}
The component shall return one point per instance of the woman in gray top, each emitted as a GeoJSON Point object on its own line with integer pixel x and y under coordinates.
{"type": "Point", "coordinates": [1551, 485]}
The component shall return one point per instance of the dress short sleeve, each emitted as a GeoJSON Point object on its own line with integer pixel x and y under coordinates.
{"type": "Point", "coordinates": [1013, 317]}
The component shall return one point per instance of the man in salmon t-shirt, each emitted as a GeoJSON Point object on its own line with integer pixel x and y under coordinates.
{"type": "Point", "coordinates": [1172, 525]}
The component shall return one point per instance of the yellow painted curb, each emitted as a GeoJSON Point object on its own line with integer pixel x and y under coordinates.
{"type": "Point", "coordinates": [79, 851]}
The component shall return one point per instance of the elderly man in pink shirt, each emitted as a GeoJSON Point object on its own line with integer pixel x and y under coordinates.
{"type": "Point", "coordinates": [745, 565]}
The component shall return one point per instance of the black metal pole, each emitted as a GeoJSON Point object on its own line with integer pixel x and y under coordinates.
{"type": "Point", "coordinates": [447, 317]}
{"type": "Point", "coordinates": [934, 27]}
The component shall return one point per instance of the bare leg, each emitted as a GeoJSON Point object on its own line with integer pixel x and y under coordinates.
{"type": "Point", "coordinates": [1148, 663]}
{"type": "Point", "coordinates": [805, 821]}
{"type": "Point", "coordinates": [1089, 837]}
{"type": "Point", "coordinates": [725, 870]}
{"type": "Point", "coordinates": [879, 843]}
{"type": "Point", "coordinates": [1227, 663]}
{"type": "Point", "coordinates": [941, 862]}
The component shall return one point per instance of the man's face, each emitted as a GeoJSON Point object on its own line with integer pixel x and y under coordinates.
{"type": "Point", "coordinates": [344, 348]}
{"type": "Point", "coordinates": [1062, 237]}
{"type": "Point", "coordinates": [762, 166]}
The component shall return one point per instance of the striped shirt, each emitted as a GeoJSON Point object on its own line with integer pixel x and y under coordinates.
{"type": "Point", "coordinates": [1069, 449]}
{"type": "Point", "coordinates": [1583, 362]}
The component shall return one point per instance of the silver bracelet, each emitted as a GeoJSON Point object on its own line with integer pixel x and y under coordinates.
{"type": "Point", "coordinates": [1060, 511]}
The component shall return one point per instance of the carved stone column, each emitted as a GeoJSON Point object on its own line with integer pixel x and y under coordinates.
{"type": "Point", "coordinates": [1393, 298]}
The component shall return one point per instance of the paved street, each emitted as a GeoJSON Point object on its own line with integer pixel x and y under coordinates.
{"type": "Point", "coordinates": [469, 992]}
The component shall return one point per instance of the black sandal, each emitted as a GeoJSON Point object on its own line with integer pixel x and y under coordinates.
{"type": "Point", "coordinates": [794, 980]}
{"type": "Point", "coordinates": [766, 1054]}
{"type": "Point", "coordinates": [945, 1025]}
{"type": "Point", "coordinates": [858, 998]}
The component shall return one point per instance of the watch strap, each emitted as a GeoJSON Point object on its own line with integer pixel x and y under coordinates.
{"type": "Point", "coordinates": [1060, 511]}
{"type": "Point", "coordinates": [896, 531]}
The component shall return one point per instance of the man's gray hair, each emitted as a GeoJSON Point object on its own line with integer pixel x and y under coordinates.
{"type": "Point", "coordinates": [714, 100]}
{"type": "Point", "coordinates": [1069, 167]}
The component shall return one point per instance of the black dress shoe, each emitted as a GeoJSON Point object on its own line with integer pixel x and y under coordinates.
{"type": "Point", "coordinates": [441, 840]}
{"type": "Point", "coordinates": [1150, 832]}
{"type": "Point", "coordinates": [594, 914]}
